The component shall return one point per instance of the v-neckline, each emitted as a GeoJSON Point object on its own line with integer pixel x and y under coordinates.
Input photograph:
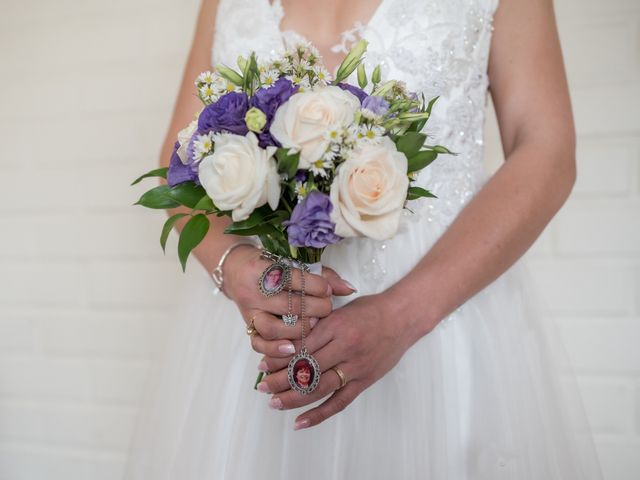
{"type": "Point", "coordinates": [362, 27]}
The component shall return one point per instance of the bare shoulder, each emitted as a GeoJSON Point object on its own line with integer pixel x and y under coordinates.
{"type": "Point", "coordinates": [199, 60]}
{"type": "Point", "coordinates": [526, 72]}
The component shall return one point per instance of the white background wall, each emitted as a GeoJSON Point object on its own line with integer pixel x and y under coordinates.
{"type": "Point", "coordinates": [86, 90]}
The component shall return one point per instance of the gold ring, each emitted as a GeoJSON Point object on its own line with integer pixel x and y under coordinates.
{"type": "Point", "coordinates": [251, 329]}
{"type": "Point", "coordinates": [341, 376]}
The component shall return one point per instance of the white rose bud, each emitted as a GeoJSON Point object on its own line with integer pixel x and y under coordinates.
{"type": "Point", "coordinates": [240, 176]}
{"type": "Point", "coordinates": [369, 191]}
{"type": "Point", "coordinates": [302, 122]}
{"type": "Point", "coordinates": [184, 136]}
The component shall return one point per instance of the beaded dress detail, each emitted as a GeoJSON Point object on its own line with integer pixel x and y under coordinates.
{"type": "Point", "coordinates": [487, 395]}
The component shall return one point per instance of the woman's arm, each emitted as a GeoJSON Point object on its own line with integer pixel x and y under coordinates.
{"type": "Point", "coordinates": [531, 97]}
{"type": "Point", "coordinates": [367, 337]}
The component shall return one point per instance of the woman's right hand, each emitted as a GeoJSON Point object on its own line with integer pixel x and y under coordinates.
{"type": "Point", "coordinates": [242, 270]}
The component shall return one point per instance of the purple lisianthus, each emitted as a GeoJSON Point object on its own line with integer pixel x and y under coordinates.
{"type": "Point", "coordinates": [178, 172]}
{"type": "Point", "coordinates": [310, 224]}
{"type": "Point", "coordinates": [225, 115]}
{"type": "Point", "coordinates": [268, 100]}
{"type": "Point", "coordinates": [358, 92]}
{"type": "Point", "coordinates": [376, 105]}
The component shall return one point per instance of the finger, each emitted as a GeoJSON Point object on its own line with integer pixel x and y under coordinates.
{"type": "Point", "coordinates": [278, 382]}
{"type": "Point", "coordinates": [314, 285]}
{"type": "Point", "coordinates": [340, 400]}
{"type": "Point", "coordinates": [329, 383]}
{"type": "Point", "coordinates": [272, 327]}
{"type": "Point", "coordinates": [340, 286]}
{"type": "Point", "coordinates": [316, 340]}
{"type": "Point", "coordinates": [313, 306]}
{"type": "Point", "coordinates": [278, 348]}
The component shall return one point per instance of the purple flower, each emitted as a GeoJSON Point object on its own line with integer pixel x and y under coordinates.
{"type": "Point", "coordinates": [358, 92]}
{"type": "Point", "coordinates": [268, 100]}
{"type": "Point", "coordinates": [378, 105]}
{"type": "Point", "coordinates": [179, 172]}
{"type": "Point", "coordinates": [310, 224]}
{"type": "Point", "coordinates": [227, 114]}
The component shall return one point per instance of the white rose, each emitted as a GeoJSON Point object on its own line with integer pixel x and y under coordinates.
{"type": "Point", "coordinates": [369, 191]}
{"type": "Point", "coordinates": [303, 121]}
{"type": "Point", "coordinates": [184, 136]}
{"type": "Point", "coordinates": [240, 176]}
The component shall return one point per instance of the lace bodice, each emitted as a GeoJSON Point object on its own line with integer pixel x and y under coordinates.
{"type": "Point", "coordinates": [438, 47]}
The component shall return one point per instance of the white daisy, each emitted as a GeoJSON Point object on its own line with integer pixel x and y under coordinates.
{"type": "Point", "coordinates": [320, 167]}
{"type": "Point", "coordinates": [205, 77]}
{"type": "Point", "coordinates": [269, 77]}
{"type": "Point", "coordinates": [202, 145]}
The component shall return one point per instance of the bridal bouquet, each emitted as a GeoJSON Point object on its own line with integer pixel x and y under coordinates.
{"type": "Point", "coordinates": [295, 157]}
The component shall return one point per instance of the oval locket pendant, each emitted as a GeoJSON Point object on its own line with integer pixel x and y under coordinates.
{"type": "Point", "coordinates": [303, 372]}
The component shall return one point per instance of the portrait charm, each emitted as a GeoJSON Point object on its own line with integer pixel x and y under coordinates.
{"type": "Point", "coordinates": [303, 373]}
{"type": "Point", "coordinates": [274, 278]}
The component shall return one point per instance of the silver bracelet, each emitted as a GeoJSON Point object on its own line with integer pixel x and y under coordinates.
{"type": "Point", "coordinates": [216, 275]}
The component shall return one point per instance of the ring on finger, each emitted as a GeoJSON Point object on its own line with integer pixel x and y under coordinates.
{"type": "Point", "coordinates": [341, 376]}
{"type": "Point", "coordinates": [251, 329]}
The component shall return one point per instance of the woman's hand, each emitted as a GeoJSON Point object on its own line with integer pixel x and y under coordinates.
{"type": "Point", "coordinates": [364, 339]}
{"type": "Point", "coordinates": [242, 270]}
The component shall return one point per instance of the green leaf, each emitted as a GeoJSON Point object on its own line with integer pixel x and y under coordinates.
{"type": "Point", "coordinates": [187, 194]}
{"type": "Point", "coordinates": [168, 226]}
{"type": "Point", "coordinates": [431, 104]}
{"type": "Point", "coordinates": [419, 192]}
{"type": "Point", "coordinates": [157, 197]}
{"type": "Point", "coordinates": [230, 74]}
{"type": "Point", "coordinates": [205, 203]}
{"type": "Point", "coordinates": [287, 164]}
{"type": "Point", "coordinates": [362, 76]}
{"type": "Point", "coordinates": [376, 76]}
{"type": "Point", "coordinates": [440, 149]}
{"type": "Point", "coordinates": [192, 234]}
{"type": "Point", "coordinates": [351, 61]}
{"type": "Point", "coordinates": [421, 159]}
{"type": "Point", "coordinates": [158, 172]}
{"type": "Point", "coordinates": [410, 143]}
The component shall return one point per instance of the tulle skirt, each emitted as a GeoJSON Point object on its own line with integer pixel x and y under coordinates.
{"type": "Point", "coordinates": [488, 394]}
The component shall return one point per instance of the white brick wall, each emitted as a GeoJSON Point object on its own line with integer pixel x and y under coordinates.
{"type": "Point", "coordinates": [84, 287]}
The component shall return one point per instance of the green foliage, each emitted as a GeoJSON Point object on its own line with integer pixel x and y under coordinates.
{"type": "Point", "coordinates": [206, 204]}
{"type": "Point", "coordinates": [157, 198]}
{"type": "Point", "coordinates": [187, 194]}
{"type": "Point", "coordinates": [420, 160]}
{"type": "Point", "coordinates": [410, 143]}
{"type": "Point", "coordinates": [351, 61]}
{"type": "Point", "coordinates": [158, 172]}
{"type": "Point", "coordinates": [168, 226]}
{"type": "Point", "coordinates": [287, 164]}
{"type": "Point", "coordinates": [230, 74]}
{"type": "Point", "coordinates": [419, 192]}
{"type": "Point", "coordinates": [362, 76]}
{"type": "Point", "coordinates": [192, 234]}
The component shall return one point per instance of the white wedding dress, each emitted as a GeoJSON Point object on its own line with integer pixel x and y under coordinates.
{"type": "Point", "coordinates": [487, 395]}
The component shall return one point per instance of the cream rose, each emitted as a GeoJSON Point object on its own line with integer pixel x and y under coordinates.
{"type": "Point", "coordinates": [369, 191]}
{"type": "Point", "coordinates": [302, 122]}
{"type": "Point", "coordinates": [240, 176]}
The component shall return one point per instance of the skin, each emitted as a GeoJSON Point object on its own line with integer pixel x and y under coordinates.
{"type": "Point", "coordinates": [368, 336]}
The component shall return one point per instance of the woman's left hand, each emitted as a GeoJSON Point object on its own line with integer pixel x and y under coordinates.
{"type": "Point", "coordinates": [364, 339]}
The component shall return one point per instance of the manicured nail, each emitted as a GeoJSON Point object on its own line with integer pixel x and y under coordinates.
{"type": "Point", "coordinates": [275, 403]}
{"type": "Point", "coordinates": [263, 387]}
{"type": "Point", "coordinates": [349, 285]}
{"type": "Point", "coordinates": [329, 291]}
{"type": "Point", "coordinates": [300, 424]}
{"type": "Point", "coordinates": [313, 321]}
{"type": "Point", "coordinates": [262, 366]}
{"type": "Point", "coordinates": [287, 348]}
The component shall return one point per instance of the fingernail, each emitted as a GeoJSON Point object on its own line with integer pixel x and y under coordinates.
{"type": "Point", "coordinates": [304, 423]}
{"type": "Point", "coordinates": [329, 291]}
{"type": "Point", "coordinates": [287, 348]}
{"type": "Point", "coordinates": [263, 387]}
{"type": "Point", "coordinates": [262, 366]}
{"type": "Point", "coordinates": [313, 321]}
{"type": "Point", "coordinates": [349, 285]}
{"type": "Point", "coordinates": [275, 403]}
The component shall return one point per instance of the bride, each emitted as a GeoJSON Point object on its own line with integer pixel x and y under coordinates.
{"type": "Point", "coordinates": [435, 363]}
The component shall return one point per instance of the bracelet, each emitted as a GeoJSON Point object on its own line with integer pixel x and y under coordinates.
{"type": "Point", "coordinates": [216, 275]}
